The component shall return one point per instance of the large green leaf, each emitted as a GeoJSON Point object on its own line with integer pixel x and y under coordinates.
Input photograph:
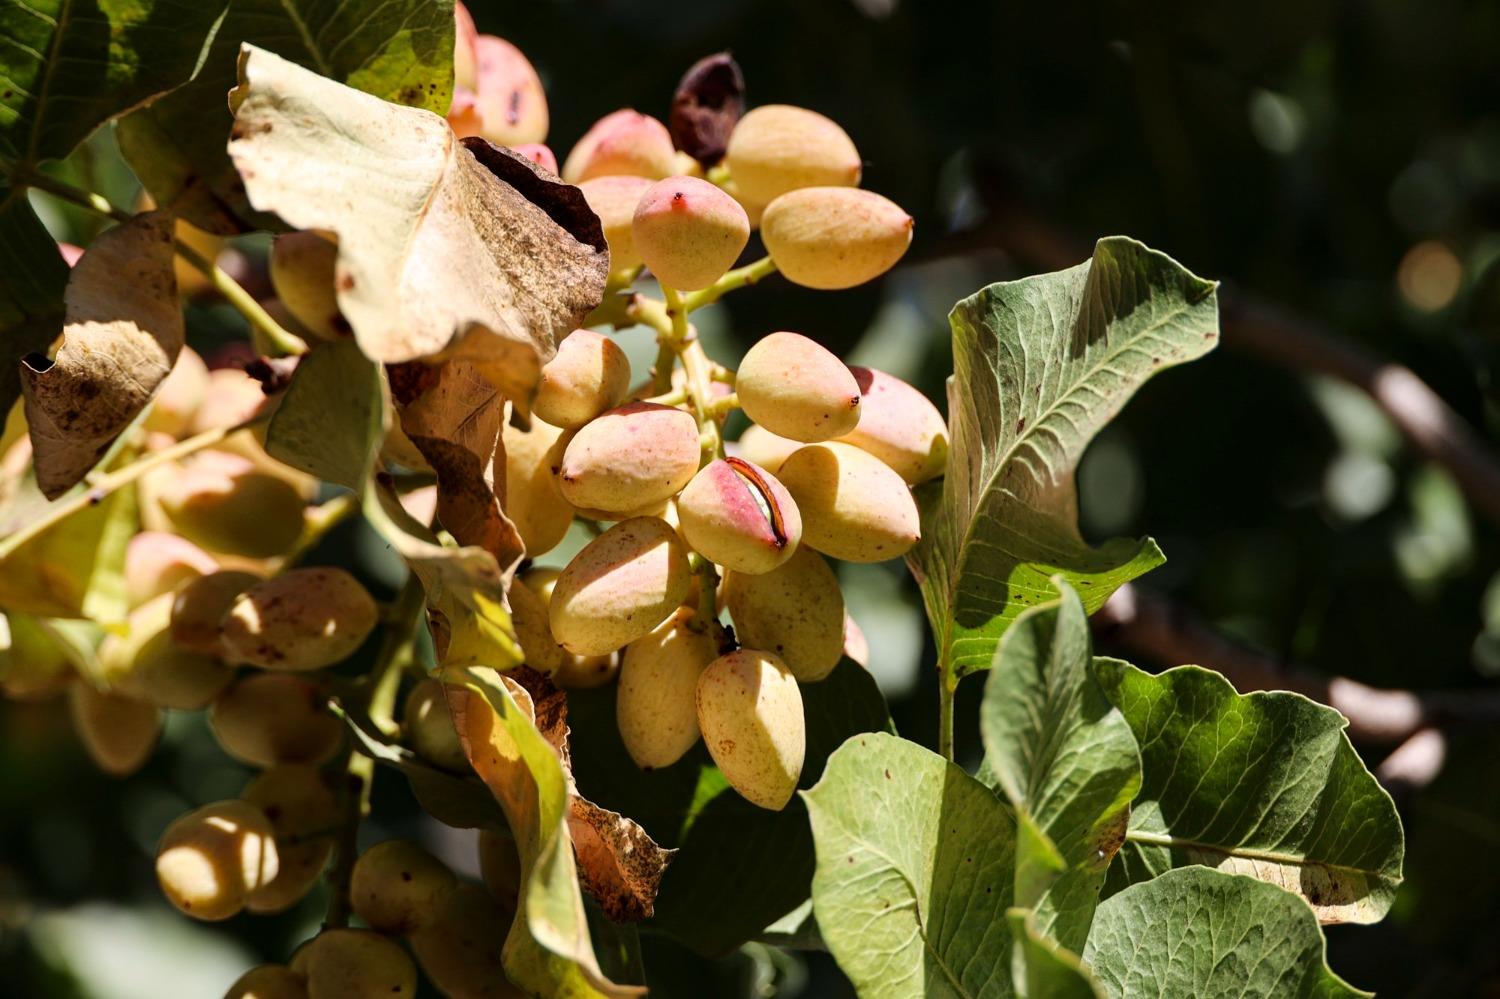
{"type": "Point", "coordinates": [1263, 784]}
{"type": "Point", "coordinates": [1042, 969]}
{"type": "Point", "coordinates": [915, 862]}
{"type": "Point", "coordinates": [1197, 932]}
{"type": "Point", "coordinates": [67, 67]}
{"type": "Point", "coordinates": [728, 848]}
{"type": "Point", "coordinates": [398, 50]}
{"type": "Point", "coordinates": [1040, 366]}
{"type": "Point", "coordinates": [332, 419]}
{"type": "Point", "coordinates": [1064, 756]}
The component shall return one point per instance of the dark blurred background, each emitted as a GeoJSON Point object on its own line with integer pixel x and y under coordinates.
{"type": "Point", "coordinates": [1340, 160]}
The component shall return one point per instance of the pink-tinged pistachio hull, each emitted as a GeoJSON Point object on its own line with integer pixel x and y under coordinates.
{"type": "Point", "coordinates": [778, 148]}
{"type": "Point", "coordinates": [532, 499]}
{"type": "Point", "coordinates": [854, 507]}
{"type": "Point", "coordinates": [630, 458]}
{"type": "Point", "coordinates": [900, 426]}
{"type": "Point", "coordinates": [831, 238]}
{"type": "Point", "coordinates": [796, 388]}
{"type": "Point", "coordinates": [588, 375]}
{"type": "Point", "coordinates": [689, 232]}
{"type": "Point", "coordinates": [796, 611]}
{"type": "Point", "coordinates": [739, 516]}
{"type": "Point", "coordinates": [620, 587]}
{"type": "Point", "coordinates": [613, 199]}
{"type": "Point", "coordinates": [622, 142]}
{"type": "Point", "coordinates": [750, 713]}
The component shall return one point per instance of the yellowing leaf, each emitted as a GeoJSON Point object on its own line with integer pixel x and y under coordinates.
{"type": "Point", "coordinates": [435, 246]}
{"type": "Point", "coordinates": [122, 335]}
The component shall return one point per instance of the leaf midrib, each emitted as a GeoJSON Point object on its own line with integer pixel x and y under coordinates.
{"type": "Point", "coordinates": [48, 71]}
{"type": "Point", "coordinates": [307, 39]}
{"type": "Point", "coordinates": [1009, 454]}
{"type": "Point", "coordinates": [1270, 856]}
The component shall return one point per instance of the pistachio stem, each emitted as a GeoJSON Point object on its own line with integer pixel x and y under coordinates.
{"type": "Point", "coordinates": [740, 277]}
{"type": "Point", "coordinates": [320, 520]}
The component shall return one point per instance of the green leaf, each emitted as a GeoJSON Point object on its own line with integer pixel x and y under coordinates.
{"type": "Point", "coordinates": [398, 50]}
{"type": "Point", "coordinates": [728, 848]}
{"type": "Point", "coordinates": [33, 277]}
{"type": "Point", "coordinates": [1197, 932]}
{"type": "Point", "coordinates": [69, 66]}
{"type": "Point", "coordinates": [332, 419]}
{"type": "Point", "coordinates": [548, 950]}
{"type": "Point", "coordinates": [1066, 759]}
{"type": "Point", "coordinates": [1264, 784]}
{"type": "Point", "coordinates": [1040, 366]}
{"type": "Point", "coordinates": [914, 870]}
{"type": "Point", "coordinates": [1041, 968]}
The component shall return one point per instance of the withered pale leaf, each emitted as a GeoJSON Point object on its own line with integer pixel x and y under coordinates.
{"type": "Point", "coordinates": [122, 334]}
{"type": "Point", "coordinates": [435, 246]}
{"type": "Point", "coordinates": [454, 416]}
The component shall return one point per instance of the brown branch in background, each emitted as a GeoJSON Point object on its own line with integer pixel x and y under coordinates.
{"type": "Point", "coordinates": [1164, 633]}
{"type": "Point", "coordinates": [1430, 425]}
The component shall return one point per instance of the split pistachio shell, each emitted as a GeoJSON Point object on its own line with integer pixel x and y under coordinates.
{"type": "Point", "coordinates": [623, 142]}
{"type": "Point", "coordinates": [589, 374]}
{"type": "Point", "coordinates": [778, 148]}
{"type": "Point", "coordinates": [620, 586]}
{"type": "Point", "coordinates": [900, 426]}
{"type": "Point", "coordinates": [212, 858]}
{"type": "Point", "coordinates": [613, 199]}
{"type": "Point", "coordinates": [854, 507]}
{"type": "Point", "coordinates": [656, 709]}
{"type": "Point", "coordinates": [689, 232]}
{"type": "Point", "coordinates": [630, 457]}
{"type": "Point", "coordinates": [834, 237]}
{"type": "Point", "coordinates": [796, 388]}
{"type": "Point", "coordinates": [796, 611]}
{"type": "Point", "coordinates": [750, 712]}
{"type": "Point", "coordinates": [301, 620]}
{"type": "Point", "coordinates": [739, 516]}
{"type": "Point", "coordinates": [532, 500]}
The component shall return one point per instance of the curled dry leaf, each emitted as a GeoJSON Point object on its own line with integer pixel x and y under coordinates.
{"type": "Point", "coordinates": [454, 417]}
{"type": "Point", "coordinates": [122, 334]}
{"type": "Point", "coordinates": [708, 103]}
{"type": "Point", "coordinates": [439, 248]}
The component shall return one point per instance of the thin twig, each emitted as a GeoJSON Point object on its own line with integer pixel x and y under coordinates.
{"type": "Point", "coordinates": [1164, 633]}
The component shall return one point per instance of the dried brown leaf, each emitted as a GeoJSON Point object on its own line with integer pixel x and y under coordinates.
{"type": "Point", "coordinates": [437, 249]}
{"type": "Point", "coordinates": [708, 103]}
{"type": "Point", "coordinates": [122, 333]}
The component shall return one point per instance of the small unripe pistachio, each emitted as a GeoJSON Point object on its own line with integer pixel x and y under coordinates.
{"type": "Point", "coordinates": [750, 711]}
{"type": "Point", "coordinates": [629, 458]}
{"type": "Point", "coordinates": [157, 562]}
{"type": "Point", "coordinates": [689, 232]}
{"type": "Point", "coordinates": [589, 374]}
{"type": "Point", "coordinates": [268, 718]}
{"type": "Point", "coordinates": [356, 964]}
{"type": "Point", "coordinates": [796, 611]}
{"type": "Point", "coordinates": [657, 707]}
{"type": "Point", "coordinates": [268, 981]}
{"type": "Point", "coordinates": [510, 107]}
{"type": "Point", "coordinates": [397, 886]}
{"type": "Point", "coordinates": [145, 662]}
{"type": "Point", "coordinates": [613, 199]}
{"type": "Point", "coordinates": [739, 516]}
{"type": "Point", "coordinates": [834, 237]}
{"type": "Point", "coordinates": [301, 620]}
{"type": "Point", "coordinates": [179, 395]}
{"type": "Point", "coordinates": [622, 142]}
{"type": "Point", "coordinates": [853, 506]}
{"type": "Point", "coordinates": [761, 447]}
{"type": "Point", "coordinates": [303, 268]}
{"type": "Point", "coordinates": [198, 607]}
{"type": "Point", "coordinates": [620, 586]}
{"type": "Point", "coordinates": [532, 499]}
{"type": "Point", "coordinates": [796, 388]}
{"type": "Point", "coordinates": [224, 503]}
{"type": "Point", "coordinates": [429, 728]}
{"type": "Point", "coordinates": [303, 812]}
{"type": "Point", "coordinates": [212, 858]}
{"type": "Point", "coordinates": [119, 732]}
{"type": "Point", "coordinates": [778, 148]}
{"type": "Point", "coordinates": [900, 426]}
{"type": "Point", "coordinates": [461, 948]}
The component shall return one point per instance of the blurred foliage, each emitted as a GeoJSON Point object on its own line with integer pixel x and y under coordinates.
{"type": "Point", "coordinates": [1342, 159]}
